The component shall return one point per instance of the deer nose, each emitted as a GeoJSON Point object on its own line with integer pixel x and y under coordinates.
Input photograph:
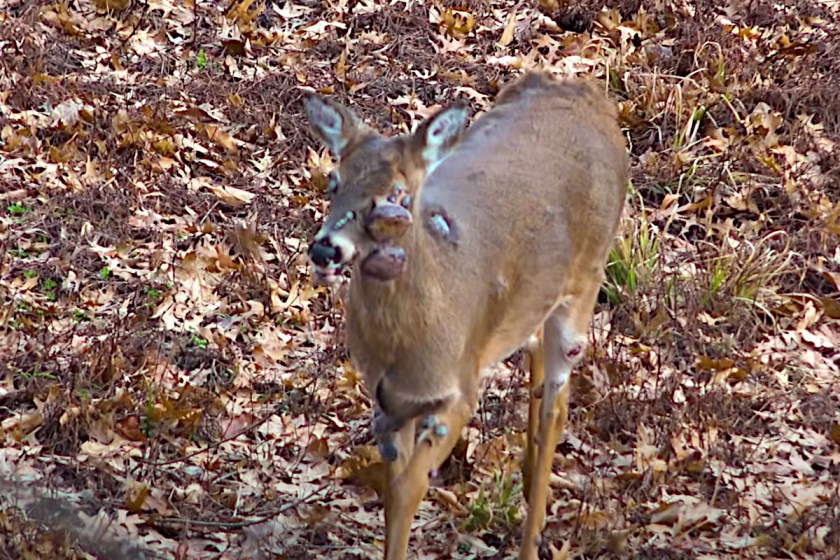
{"type": "Point", "coordinates": [323, 253]}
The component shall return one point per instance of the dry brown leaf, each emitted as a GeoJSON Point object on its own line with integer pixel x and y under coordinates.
{"type": "Point", "coordinates": [130, 428]}
{"type": "Point", "coordinates": [18, 427]}
{"type": "Point", "coordinates": [447, 497]}
{"type": "Point", "coordinates": [318, 448]}
{"type": "Point", "coordinates": [232, 195]}
{"type": "Point", "coordinates": [667, 513]}
{"type": "Point", "coordinates": [707, 363]}
{"type": "Point", "coordinates": [135, 496]}
{"type": "Point", "coordinates": [112, 5]}
{"type": "Point", "coordinates": [220, 137]}
{"type": "Point", "coordinates": [16, 194]}
{"type": "Point", "coordinates": [236, 47]}
{"type": "Point", "coordinates": [457, 22]}
{"type": "Point", "coordinates": [834, 433]}
{"type": "Point", "coordinates": [507, 34]}
{"type": "Point", "coordinates": [832, 222]}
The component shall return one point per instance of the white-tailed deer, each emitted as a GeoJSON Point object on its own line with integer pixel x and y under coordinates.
{"type": "Point", "coordinates": [464, 248]}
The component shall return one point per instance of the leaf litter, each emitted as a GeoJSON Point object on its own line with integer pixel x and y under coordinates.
{"type": "Point", "coordinates": [173, 386]}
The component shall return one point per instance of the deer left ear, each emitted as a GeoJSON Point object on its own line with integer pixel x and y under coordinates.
{"type": "Point", "coordinates": [440, 133]}
{"type": "Point", "coordinates": [335, 124]}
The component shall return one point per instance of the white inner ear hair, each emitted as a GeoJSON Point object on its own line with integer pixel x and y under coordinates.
{"type": "Point", "coordinates": [329, 122]}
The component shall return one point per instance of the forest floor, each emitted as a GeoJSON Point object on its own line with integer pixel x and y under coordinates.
{"type": "Point", "coordinates": [172, 385]}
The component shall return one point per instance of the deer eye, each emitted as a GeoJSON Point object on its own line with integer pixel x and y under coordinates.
{"type": "Point", "coordinates": [332, 182]}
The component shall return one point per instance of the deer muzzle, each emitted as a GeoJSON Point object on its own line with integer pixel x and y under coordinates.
{"type": "Point", "coordinates": [329, 253]}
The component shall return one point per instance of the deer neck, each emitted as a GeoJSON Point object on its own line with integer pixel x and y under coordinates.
{"type": "Point", "coordinates": [417, 283]}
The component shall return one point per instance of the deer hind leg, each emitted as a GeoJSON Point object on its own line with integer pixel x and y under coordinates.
{"type": "Point", "coordinates": [534, 357]}
{"type": "Point", "coordinates": [552, 361]}
{"type": "Point", "coordinates": [410, 482]}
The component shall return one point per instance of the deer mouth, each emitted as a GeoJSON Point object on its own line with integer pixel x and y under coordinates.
{"type": "Point", "coordinates": [329, 271]}
{"type": "Point", "coordinates": [327, 275]}
{"type": "Point", "coordinates": [330, 254]}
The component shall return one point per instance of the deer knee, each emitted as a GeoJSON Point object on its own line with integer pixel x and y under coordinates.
{"type": "Point", "coordinates": [393, 409]}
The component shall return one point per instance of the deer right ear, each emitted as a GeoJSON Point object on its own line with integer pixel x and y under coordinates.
{"type": "Point", "coordinates": [335, 124]}
{"type": "Point", "coordinates": [440, 133]}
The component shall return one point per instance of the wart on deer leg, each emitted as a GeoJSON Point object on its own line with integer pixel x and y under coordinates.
{"type": "Point", "coordinates": [386, 424]}
{"type": "Point", "coordinates": [388, 448]}
{"type": "Point", "coordinates": [430, 426]}
{"type": "Point", "coordinates": [384, 427]}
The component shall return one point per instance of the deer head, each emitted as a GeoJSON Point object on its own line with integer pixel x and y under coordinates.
{"type": "Point", "coordinates": [375, 188]}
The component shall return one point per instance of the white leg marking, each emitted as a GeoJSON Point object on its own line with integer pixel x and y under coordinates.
{"type": "Point", "coordinates": [563, 349]}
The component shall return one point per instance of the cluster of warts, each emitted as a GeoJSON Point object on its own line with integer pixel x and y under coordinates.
{"type": "Point", "coordinates": [349, 216]}
{"type": "Point", "coordinates": [429, 426]}
{"type": "Point", "coordinates": [405, 202]}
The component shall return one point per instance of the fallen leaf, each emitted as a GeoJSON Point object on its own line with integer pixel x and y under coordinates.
{"type": "Point", "coordinates": [232, 195]}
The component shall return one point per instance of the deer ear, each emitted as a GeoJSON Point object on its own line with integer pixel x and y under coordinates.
{"type": "Point", "coordinates": [334, 123]}
{"type": "Point", "coordinates": [440, 133]}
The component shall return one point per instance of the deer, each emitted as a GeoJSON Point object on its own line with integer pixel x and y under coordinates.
{"type": "Point", "coordinates": [465, 245]}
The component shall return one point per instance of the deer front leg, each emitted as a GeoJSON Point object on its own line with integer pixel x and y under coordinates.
{"type": "Point", "coordinates": [407, 488]}
{"type": "Point", "coordinates": [554, 359]}
{"type": "Point", "coordinates": [403, 443]}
